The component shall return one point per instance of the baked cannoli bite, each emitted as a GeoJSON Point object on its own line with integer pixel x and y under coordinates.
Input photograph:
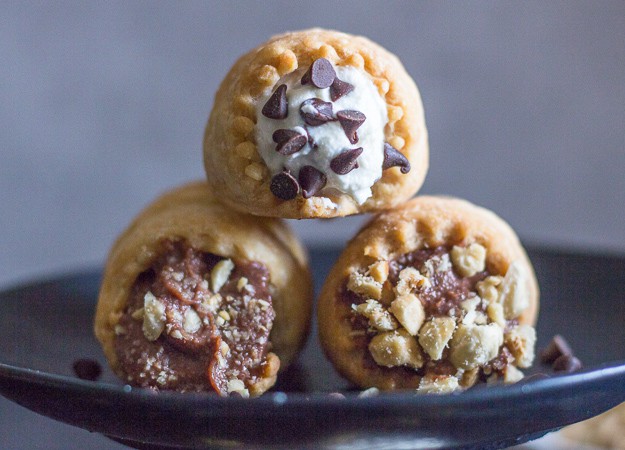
{"type": "Point", "coordinates": [196, 297]}
{"type": "Point", "coordinates": [436, 295]}
{"type": "Point", "coordinates": [316, 124]}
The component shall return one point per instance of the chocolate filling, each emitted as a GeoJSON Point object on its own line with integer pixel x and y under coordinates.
{"type": "Point", "coordinates": [441, 298]}
{"type": "Point", "coordinates": [230, 341]}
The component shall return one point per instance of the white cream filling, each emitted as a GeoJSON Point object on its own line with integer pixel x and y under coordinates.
{"type": "Point", "coordinates": [330, 138]}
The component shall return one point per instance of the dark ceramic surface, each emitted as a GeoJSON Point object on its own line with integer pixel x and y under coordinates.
{"type": "Point", "coordinates": [45, 326]}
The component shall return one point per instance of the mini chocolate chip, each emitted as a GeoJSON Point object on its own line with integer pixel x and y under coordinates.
{"type": "Point", "coordinates": [567, 363]}
{"type": "Point", "coordinates": [87, 369]}
{"type": "Point", "coordinates": [284, 186]}
{"type": "Point", "coordinates": [316, 112]}
{"type": "Point", "coordinates": [320, 73]}
{"type": "Point", "coordinates": [289, 141]}
{"type": "Point", "coordinates": [277, 106]}
{"type": "Point", "coordinates": [393, 157]}
{"type": "Point", "coordinates": [312, 180]}
{"type": "Point", "coordinates": [351, 120]}
{"type": "Point", "coordinates": [556, 348]}
{"type": "Point", "coordinates": [346, 161]}
{"type": "Point", "coordinates": [340, 88]}
{"type": "Point", "coordinates": [282, 135]}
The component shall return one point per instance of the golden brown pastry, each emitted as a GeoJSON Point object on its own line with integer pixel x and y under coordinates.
{"type": "Point", "coordinates": [436, 295]}
{"type": "Point", "coordinates": [196, 297]}
{"type": "Point", "coordinates": [315, 124]}
{"type": "Point", "coordinates": [606, 430]}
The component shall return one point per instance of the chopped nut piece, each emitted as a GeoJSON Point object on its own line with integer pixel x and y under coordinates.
{"type": "Point", "coordinates": [241, 283]}
{"type": "Point", "coordinates": [435, 335]}
{"type": "Point", "coordinates": [119, 330]}
{"type": "Point", "coordinates": [514, 295]}
{"type": "Point", "coordinates": [379, 318]}
{"type": "Point", "coordinates": [410, 279]}
{"type": "Point", "coordinates": [192, 321]}
{"type": "Point", "coordinates": [212, 303]}
{"type": "Point", "coordinates": [237, 387]}
{"type": "Point", "coordinates": [436, 264]}
{"type": "Point", "coordinates": [379, 271]}
{"type": "Point", "coordinates": [176, 334]}
{"type": "Point", "coordinates": [153, 317]}
{"type": "Point", "coordinates": [469, 378]}
{"type": "Point", "coordinates": [469, 306]}
{"type": "Point", "coordinates": [521, 341]}
{"type": "Point", "coordinates": [488, 288]}
{"type": "Point", "coordinates": [438, 384]}
{"type": "Point", "coordinates": [512, 375]}
{"type": "Point", "coordinates": [495, 314]}
{"type": "Point", "coordinates": [221, 273]}
{"type": "Point", "coordinates": [224, 348]}
{"type": "Point", "coordinates": [468, 260]}
{"type": "Point", "coordinates": [409, 311]}
{"type": "Point", "coordinates": [364, 285]}
{"type": "Point", "coordinates": [475, 345]}
{"type": "Point", "coordinates": [224, 315]}
{"type": "Point", "coordinates": [396, 348]}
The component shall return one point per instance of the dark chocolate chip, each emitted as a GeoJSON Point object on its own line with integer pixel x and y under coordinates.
{"type": "Point", "coordinates": [282, 135]}
{"type": "Point", "coordinates": [87, 369]}
{"type": "Point", "coordinates": [393, 157]}
{"type": "Point", "coordinates": [556, 348]}
{"type": "Point", "coordinates": [351, 120]}
{"type": "Point", "coordinates": [346, 161]}
{"type": "Point", "coordinates": [340, 88]}
{"type": "Point", "coordinates": [277, 106]}
{"type": "Point", "coordinates": [567, 363]}
{"type": "Point", "coordinates": [289, 141]}
{"type": "Point", "coordinates": [284, 186]}
{"type": "Point", "coordinates": [320, 73]}
{"type": "Point", "coordinates": [316, 112]}
{"type": "Point", "coordinates": [312, 180]}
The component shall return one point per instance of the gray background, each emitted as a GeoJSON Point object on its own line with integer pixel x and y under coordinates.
{"type": "Point", "coordinates": [103, 105]}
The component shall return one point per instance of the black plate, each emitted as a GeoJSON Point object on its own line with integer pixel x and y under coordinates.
{"type": "Point", "coordinates": [46, 326]}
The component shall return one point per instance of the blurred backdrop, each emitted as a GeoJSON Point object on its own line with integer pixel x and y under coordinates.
{"type": "Point", "coordinates": [103, 106]}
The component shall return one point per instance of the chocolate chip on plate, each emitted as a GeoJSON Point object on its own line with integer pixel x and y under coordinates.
{"type": "Point", "coordinates": [284, 186]}
{"type": "Point", "coordinates": [277, 106]}
{"type": "Point", "coordinates": [351, 120]}
{"type": "Point", "coordinates": [393, 157]}
{"type": "Point", "coordinates": [289, 141]}
{"type": "Point", "coordinates": [567, 363]}
{"type": "Point", "coordinates": [316, 112]}
{"type": "Point", "coordinates": [320, 73]}
{"type": "Point", "coordinates": [311, 180]}
{"type": "Point", "coordinates": [340, 88]}
{"type": "Point", "coordinates": [556, 348]}
{"type": "Point", "coordinates": [346, 161]}
{"type": "Point", "coordinates": [87, 369]}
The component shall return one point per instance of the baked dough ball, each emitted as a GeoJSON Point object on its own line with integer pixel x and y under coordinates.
{"type": "Point", "coordinates": [436, 295]}
{"type": "Point", "coordinates": [316, 124]}
{"type": "Point", "coordinates": [196, 297]}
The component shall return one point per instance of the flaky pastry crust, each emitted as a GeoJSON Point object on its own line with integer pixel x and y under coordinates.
{"type": "Point", "coordinates": [191, 213]}
{"type": "Point", "coordinates": [423, 222]}
{"type": "Point", "coordinates": [237, 173]}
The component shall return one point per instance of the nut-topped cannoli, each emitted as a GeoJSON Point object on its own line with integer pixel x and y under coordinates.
{"type": "Point", "coordinates": [437, 295]}
{"type": "Point", "coordinates": [196, 297]}
{"type": "Point", "coordinates": [316, 123]}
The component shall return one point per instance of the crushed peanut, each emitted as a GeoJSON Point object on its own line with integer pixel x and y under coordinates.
{"type": "Point", "coordinates": [475, 345]}
{"type": "Point", "coordinates": [364, 285]}
{"type": "Point", "coordinates": [409, 311]}
{"type": "Point", "coordinates": [379, 318]}
{"type": "Point", "coordinates": [514, 295]}
{"type": "Point", "coordinates": [438, 384]}
{"type": "Point", "coordinates": [488, 289]}
{"type": "Point", "coordinates": [153, 317]}
{"type": "Point", "coordinates": [221, 273]}
{"type": "Point", "coordinates": [435, 335]}
{"type": "Point", "coordinates": [192, 322]}
{"type": "Point", "coordinates": [468, 260]}
{"type": "Point", "coordinates": [521, 341]}
{"type": "Point", "coordinates": [379, 271]}
{"type": "Point", "coordinates": [410, 279]}
{"type": "Point", "coordinates": [396, 348]}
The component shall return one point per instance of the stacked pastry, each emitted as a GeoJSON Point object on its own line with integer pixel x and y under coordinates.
{"type": "Point", "coordinates": [205, 291]}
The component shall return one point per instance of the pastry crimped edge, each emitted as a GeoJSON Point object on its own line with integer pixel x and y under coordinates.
{"type": "Point", "coordinates": [230, 153]}
{"type": "Point", "coordinates": [423, 222]}
{"type": "Point", "coordinates": [192, 213]}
